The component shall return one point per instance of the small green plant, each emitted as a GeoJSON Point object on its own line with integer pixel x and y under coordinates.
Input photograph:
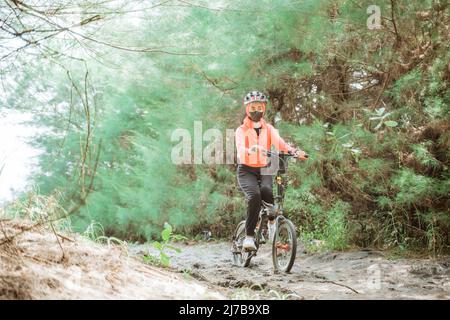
{"type": "Point", "coordinates": [380, 115]}
{"type": "Point", "coordinates": [111, 240]}
{"type": "Point", "coordinates": [167, 236]}
{"type": "Point", "coordinates": [187, 274]}
{"type": "Point", "coordinates": [94, 231]}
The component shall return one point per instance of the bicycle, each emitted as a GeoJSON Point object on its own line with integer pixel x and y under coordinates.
{"type": "Point", "coordinates": [284, 242]}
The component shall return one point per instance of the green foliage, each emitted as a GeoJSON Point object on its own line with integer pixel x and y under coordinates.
{"type": "Point", "coordinates": [404, 88]}
{"type": "Point", "coordinates": [325, 228]}
{"type": "Point", "coordinates": [412, 188]}
{"type": "Point", "coordinates": [424, 156]}
{"type": "Point", "coordinates": [167, 237]}
{"type": "Point", "coordinates": [336, 234]}
{"type": "Point", "coordinates": [370, 163]}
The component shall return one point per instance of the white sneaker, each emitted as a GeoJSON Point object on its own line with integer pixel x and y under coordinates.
{"type": "Point", "coordinates": [249, 244]}
{"type": "Point", "coordinates": [271, 228]}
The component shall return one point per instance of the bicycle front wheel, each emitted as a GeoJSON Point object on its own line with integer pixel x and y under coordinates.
{"type": "Point", "coordinates": [284, 245]}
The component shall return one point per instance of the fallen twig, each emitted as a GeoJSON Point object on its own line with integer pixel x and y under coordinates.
{"type": "Point", "coordinates": [64, 237]}
{"type": "Point", "coordinates": [338, 284]}
{"type": "Point", "coordinates": [59, 243]}
{"type": "Point", "coordinates": [4, 232]}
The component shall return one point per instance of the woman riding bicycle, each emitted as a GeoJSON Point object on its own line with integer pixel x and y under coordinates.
{"type": "Point", "coordinates": [253, 139]}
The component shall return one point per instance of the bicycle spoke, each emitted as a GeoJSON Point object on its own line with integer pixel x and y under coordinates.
{"type": "Point", "coordinates": [284, 246]}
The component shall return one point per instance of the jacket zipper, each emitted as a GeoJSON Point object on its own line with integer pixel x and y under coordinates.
{"type": "Point", "coordinates": [257, 142]}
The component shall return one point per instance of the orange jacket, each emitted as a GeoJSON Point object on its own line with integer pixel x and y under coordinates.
{"type": "Point", "coordinates": [246, 137]}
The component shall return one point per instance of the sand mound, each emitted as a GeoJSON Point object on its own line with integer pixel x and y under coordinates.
{"type": "Point", "coordinates": [33, 266]}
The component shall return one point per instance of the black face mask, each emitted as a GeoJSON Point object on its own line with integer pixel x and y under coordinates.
{"type": "Point", "coordinates": [256, 115]}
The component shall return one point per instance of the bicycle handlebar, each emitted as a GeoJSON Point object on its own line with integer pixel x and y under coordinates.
{"type": "Point", "coordinates": [278, 154]}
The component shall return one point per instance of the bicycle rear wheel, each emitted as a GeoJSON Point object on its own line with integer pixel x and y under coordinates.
{"type": "Point", "coordinates": [284, 245]}
{"type": "Point", "coordinates": [241, 257]}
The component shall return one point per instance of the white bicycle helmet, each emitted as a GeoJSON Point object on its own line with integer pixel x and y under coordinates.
{"type": "Point", "coordinates": [255, 96]}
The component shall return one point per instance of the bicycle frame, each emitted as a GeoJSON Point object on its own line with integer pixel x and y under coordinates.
{"type": "Point", "coordinates": [278, 198]}
{"type": "Point", "coordinates": [242, 257]}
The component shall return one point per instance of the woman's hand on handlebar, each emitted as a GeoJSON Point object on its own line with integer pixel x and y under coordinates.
{"type": "Point", "coordinates": [300, 154]}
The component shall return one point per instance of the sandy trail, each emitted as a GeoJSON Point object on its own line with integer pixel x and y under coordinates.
{"type": "Point", "coordinates": [333, 275]}
{"type": "Point", "coordinates": [32, 267]}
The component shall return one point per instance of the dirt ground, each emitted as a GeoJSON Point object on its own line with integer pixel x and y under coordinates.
{"type": "Point", "coordinates": [32, 266]}
{"type": "Point", "coordinates": [332, 275]}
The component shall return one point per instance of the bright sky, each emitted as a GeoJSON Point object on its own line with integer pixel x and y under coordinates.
{"type": "Point", "coordinates": [17, 157]}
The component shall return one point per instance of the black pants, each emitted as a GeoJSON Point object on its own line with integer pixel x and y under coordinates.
{"type": "Point", "coordinates": [254, 193]}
